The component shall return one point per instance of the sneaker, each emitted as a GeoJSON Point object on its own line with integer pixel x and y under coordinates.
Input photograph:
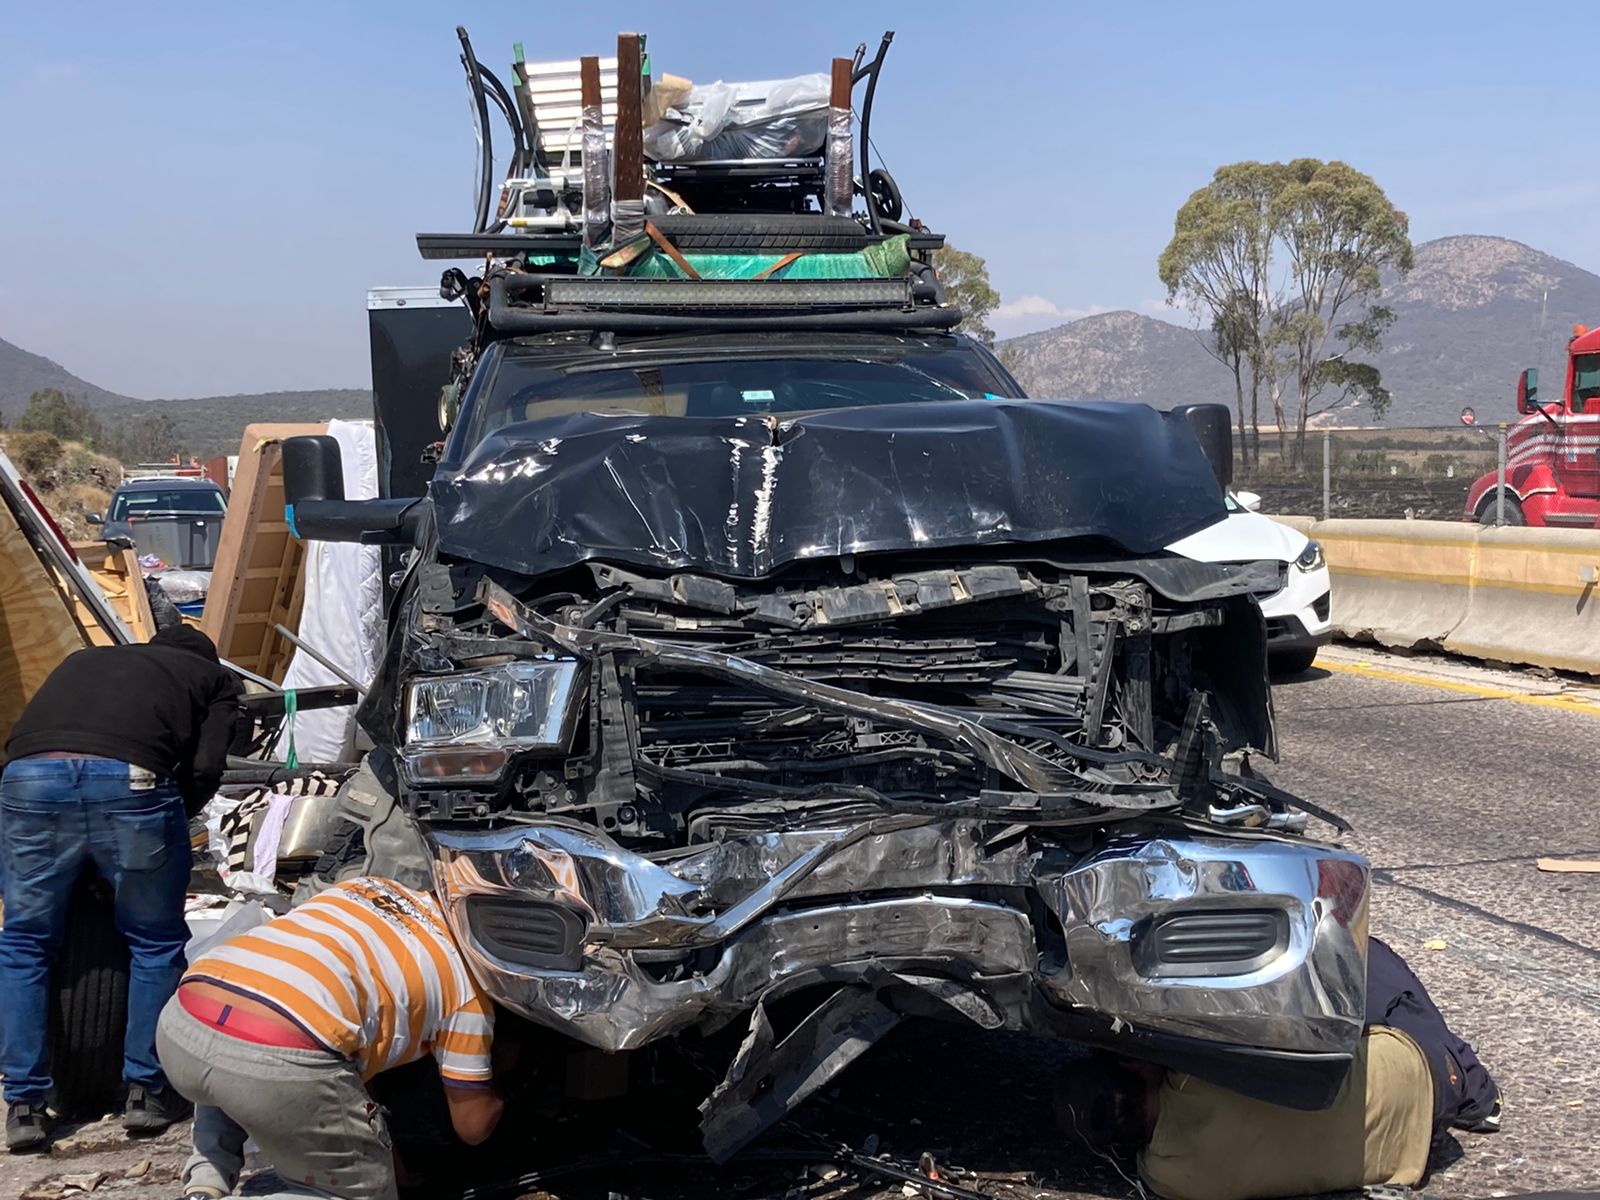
{"type": "Point", "coordinates": [150, 1110]}
{"type": "Point", "coordinates": [1488, 1124]}
{"type": "Point", "coordinates": [25, 1126]}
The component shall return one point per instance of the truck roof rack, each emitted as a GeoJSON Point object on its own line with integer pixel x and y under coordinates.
{"type": "Point", "coordinates": [590, 231]}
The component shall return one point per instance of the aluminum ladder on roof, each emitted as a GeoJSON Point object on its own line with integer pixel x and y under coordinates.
{"type": "Point", "coordinates": [553, 95]}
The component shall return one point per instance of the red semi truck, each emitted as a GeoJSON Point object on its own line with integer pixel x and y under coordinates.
{"type": "Point", "coordinates": [1552, 453]}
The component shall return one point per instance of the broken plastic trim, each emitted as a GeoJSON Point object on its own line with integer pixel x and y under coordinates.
{"type": "Point", "coordinates": [769, 1078]}
{"type": "Point", "coordinates": [1056, 795]}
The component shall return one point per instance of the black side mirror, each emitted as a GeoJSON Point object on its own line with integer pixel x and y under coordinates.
{"type": "Point", "coordinates": [95, 518]}
{"type": "Point", "coordinates": [1213, 427]}
{"type": "Point", "coordinates": [313, 469]}
{"type": "Point", "coordinates": [314, 503]}
{"type": "Point", "coordinates": [1528, 391]}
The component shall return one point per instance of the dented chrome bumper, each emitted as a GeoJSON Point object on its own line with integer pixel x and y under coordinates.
{"type": "Point", "coordinates": [1246, 941]}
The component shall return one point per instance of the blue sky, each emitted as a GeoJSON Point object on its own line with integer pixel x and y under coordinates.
{"type": "Point", "coordinates": [195, 198]}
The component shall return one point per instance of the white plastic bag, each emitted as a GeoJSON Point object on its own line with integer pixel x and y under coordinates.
{"type": "Point", "coordinates": [207, 930]}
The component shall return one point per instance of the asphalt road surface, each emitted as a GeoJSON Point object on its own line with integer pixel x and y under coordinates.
{"type": "Point", "coordinates": [1456, 791]}
{"type": "Point", "coordinates": [1457, 781]}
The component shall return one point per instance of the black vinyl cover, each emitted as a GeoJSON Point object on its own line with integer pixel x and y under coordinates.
{"type": "Point", "coordinates": [743, 496]}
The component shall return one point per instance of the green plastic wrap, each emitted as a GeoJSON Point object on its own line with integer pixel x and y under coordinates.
{"type": "Point", "coordinates": [888, 260]}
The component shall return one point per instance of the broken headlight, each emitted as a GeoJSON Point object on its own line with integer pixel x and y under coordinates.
{"type": "Point", "coordinates": [468, 725]}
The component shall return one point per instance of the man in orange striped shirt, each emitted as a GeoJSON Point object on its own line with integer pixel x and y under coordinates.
{"type": "Point", "coordinates": [273, 1035]}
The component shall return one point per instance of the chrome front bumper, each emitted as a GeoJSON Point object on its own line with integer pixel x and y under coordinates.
{"type": "Point", "coordinates": [1247, 941]}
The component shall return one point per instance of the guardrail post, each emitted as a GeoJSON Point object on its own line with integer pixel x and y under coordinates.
{"type": "Point", "coordinates": [1500, 480]}
{"type": "Point", "coordinates": [1327, 474]}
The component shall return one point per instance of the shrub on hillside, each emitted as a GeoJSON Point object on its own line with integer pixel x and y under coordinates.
{"type": "Point", "coordinates": [34, 452]}
{"type": "Point", "coordinates": [52, 411]}
{"type": "Point", "coordinates": [72, 506]}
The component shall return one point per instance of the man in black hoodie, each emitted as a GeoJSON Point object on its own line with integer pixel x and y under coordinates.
{"type": "Point", "coordinates": [113, 753]}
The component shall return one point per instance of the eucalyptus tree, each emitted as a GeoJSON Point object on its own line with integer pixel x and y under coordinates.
{"type": "Point", "coordinates": [1284, 262]}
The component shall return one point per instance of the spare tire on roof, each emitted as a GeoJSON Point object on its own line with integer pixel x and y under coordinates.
{"type": "Point", "coordinates": [763, 231]}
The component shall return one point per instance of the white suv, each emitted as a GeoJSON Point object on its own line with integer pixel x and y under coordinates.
{"type": "Point", "coordinates": [1298, 611]}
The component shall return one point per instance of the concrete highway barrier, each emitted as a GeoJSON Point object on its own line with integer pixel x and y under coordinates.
{"type": "Point", "coordinates": [1515, 595]}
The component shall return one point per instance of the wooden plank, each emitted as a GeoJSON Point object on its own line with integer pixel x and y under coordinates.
{"type": "Point", "coordinates": [273, 650]}
{"type": "Point", "coordinates": [625, 255]}
{"type": "Point", "coordinates": [839, 90]}
{"type": "Point", "coordinates": [285, 649]}
{"type": "Point", "coordinates": [628, 137]}
{"type": "Point", "coordinates": [116, 572]}
{"type": "Point", "coordinates": [257, 557]}
{"type": "Point", "coordinates": [1578, 866]}
{"type": "Point", "coordinates": [589, 81]}
{"type": "Point", "coordinates": [37, 627]}
{"type": "Point", "coordinates": [140, 618]}
{"type": "Point", "coordinates": [837, 192]}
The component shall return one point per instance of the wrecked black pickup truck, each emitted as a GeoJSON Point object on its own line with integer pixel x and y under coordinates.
{"type": "Point", "coordinates": [760, 660]}
{"type": "Point", "coordinates": [899, 704]}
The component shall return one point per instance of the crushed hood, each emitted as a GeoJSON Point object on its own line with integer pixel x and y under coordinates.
{"type": "Point", "coordinates": [743, 496]}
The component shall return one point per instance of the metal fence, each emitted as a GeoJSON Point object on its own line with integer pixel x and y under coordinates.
{"type": "Point", "coordinates": [1417, 472]}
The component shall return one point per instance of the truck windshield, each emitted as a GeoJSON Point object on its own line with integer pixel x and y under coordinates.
{"type": "Point", "coordinates": [1586, 383]}
{"type": "Point", "coordinates": [527, 390]}
{"type": "Point", "coordinates": [133, 504]}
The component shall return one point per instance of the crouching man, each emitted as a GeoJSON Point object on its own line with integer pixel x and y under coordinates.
{"type": "Point", "coordinates": [1411, 1082]}
{"type": "Point", "coordinates": [273, 1035]}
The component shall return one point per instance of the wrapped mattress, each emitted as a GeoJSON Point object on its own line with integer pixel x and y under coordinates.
{"type": "Point", "coordinates": [776, 119]}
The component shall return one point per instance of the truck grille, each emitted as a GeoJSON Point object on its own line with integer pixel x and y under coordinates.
{"type": "Point", "coordinates": [996, 670]}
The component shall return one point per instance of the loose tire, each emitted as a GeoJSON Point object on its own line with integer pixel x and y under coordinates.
{"type": "Point", "coordinates": [885, 195]}
{"type": "Point", "coordinates": [1514, 513]}
{"type": "Point", "coordinates": [751, 232]}
{"type": "Point", "coordinates": [89, 1020]}
{"type": "Point", "coordinates": [1291, 662]}
{"type": "Point", "coordinates": [344, 857]}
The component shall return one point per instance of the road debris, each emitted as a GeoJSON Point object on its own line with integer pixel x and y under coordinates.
{"type": "Point", "coordinates": [1575, 866]}
{"type": "Point", "coordinates": [1435, 944]}
{"type": "Point", "coordinates": [85, 1182]}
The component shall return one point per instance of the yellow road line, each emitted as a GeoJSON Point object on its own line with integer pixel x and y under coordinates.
{"type": "Point", "coordinates": [1366, 671]}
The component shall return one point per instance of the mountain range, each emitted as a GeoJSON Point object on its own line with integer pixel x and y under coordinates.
{"type": "Point", "coordinates": [1473, 311]}
{"type": "Point", "coordinates": [207, 425]}
{"type": "Point", "coordinates": [22, 374]}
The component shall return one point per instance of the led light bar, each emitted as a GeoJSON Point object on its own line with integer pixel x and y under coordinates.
{"type": "Point", "coordinates": [615, 292]}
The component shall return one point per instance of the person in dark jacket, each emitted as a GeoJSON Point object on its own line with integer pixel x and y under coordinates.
{"type": "Point", "coordinates": [107, 761]}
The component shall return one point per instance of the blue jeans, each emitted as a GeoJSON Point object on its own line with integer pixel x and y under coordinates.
{"type": "Point", "coordinates": [57, 815]}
